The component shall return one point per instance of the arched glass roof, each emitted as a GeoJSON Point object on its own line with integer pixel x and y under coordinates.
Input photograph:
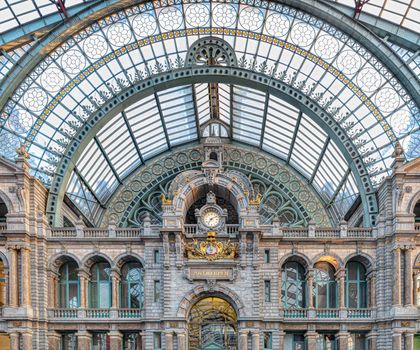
{"type": "Point", "coordinates": [76, 78]}
{"type": "Point", "coordinates": [15, 13]}
{"type": "Point", "coordinates": [405, 13]}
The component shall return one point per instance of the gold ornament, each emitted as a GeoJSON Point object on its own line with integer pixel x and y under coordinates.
{"type": "Point", "coordinates": [211, 249]}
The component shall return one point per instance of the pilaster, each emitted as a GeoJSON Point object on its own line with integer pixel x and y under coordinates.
{"type": "Point", "coordinates": [310, 287]}
{"type": "Point", "coordinates": [83, 339]}
{"type": "Point", "coordinates": [243, 340]}
{"type": "Point", "coordinates": [54, 341]}
{"type": "Point", "coordinates": [115, 340]}
{"type": "Point", "coordinates": [27, 341]}
{"type": "Point", "coordinates": [396, 340]}
{"type": "Point", "coordinates": [169, 340]}
{"type": "Point", "coordinates": [181, 341]}
{"type": "Point", "coordinates": [14, 341]}
{"type": "Point", "coordinates": [311, 340]}
{"type": "Point", "coordinates": [396, 295]}
{"type": "Point", "coordinates": [255, 340]}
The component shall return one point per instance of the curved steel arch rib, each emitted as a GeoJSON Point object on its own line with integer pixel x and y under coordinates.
{"type": "Point", "coordinates": [222, 75]}
{"type": "Point", "coordinates": [284, 44]}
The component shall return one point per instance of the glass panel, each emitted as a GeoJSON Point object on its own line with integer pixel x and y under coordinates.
{"type": "Point", "coordinates": [100, 341]}
{"type": "Point", "coordinates": [68, 341]}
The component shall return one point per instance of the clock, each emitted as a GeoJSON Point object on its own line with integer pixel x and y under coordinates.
{"type": "Point", "coordinates": [211, 218]}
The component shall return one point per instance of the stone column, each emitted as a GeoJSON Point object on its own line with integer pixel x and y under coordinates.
{"type": "Point", "coordinates": [408, 278]}
{"type": "Point", "coordinates": [26, 276]}
{"type": "Point", "coordinates": [341, 281]}
{"type": "Point", "coordinates": [309, 288]}
{"type": "Point", "coordinates": [255, 340]}
{"type": "Point", "coordinates": [115, 340]}
{"type": "Point", "coordinates": [52, 290]}
{"type": "Point", "coordinates": [415, 286]}
{"type": "Point", "coordinates": [54, 341]}
{"type": "Point", "coordinates": [14, 341]}
{"type": "Point", "coordinates": [115, 276]}
{"type": "Point", "coordinates": [169, 340]}
{"type": "Point", "coordinates": [311, 340]}
{"type": "Point", "coordinates": [343, 340]}
{"type": "Point", "coordinates": [83, 281]}
{"type": "Point", "coordinates": [27, 341]}
{"type": "Point", "coordinates": [281, 340]}
{"type": "Point", "coordinates": [409, 341]}
{"type": "Point", "coordinates": [372, 289]}
{"type": "Point", "coordinates": [83, 340]}
{"type": "Point", "coordinates": [243, 340]}
{"type": "Point", "coordinates": [280, 288]}
{"type": "Point", "coordinates": [181, 341]}
{"type": "Point", "coordinates": [372, 337]}
{"type": "Point", "coordinates": [396, 341]}
{"type": "Point", "coordinates": [396, 295]}
{"type": "Point", "coordinates": [13, 278]}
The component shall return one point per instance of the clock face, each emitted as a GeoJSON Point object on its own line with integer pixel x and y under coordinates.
{"type": "Point", "coordinates": [211, 218]}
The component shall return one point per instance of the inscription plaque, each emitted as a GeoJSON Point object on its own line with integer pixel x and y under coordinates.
{"type": "Point", "coordinates": [197, 273]}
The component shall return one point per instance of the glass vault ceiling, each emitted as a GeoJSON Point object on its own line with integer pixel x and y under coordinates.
{"type": "Point", "coordinates": [76, 78]}
{"type": "Point", "coordinates": [405, 13]}
{"type": "Point", "coordinates": [138, 133]}
{"type": "Point", "coordinates": [14, 13]}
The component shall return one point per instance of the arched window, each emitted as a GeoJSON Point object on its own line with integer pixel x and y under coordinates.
{"type": "Point", "coordinates": [3, 211]}
{"type": "Point", "coordinates": [3, 284]}
{"type": "Point", "coordinates": [356, 285]}
{"type": "Point", "coordinates": [325, 286]}
{"type": "Point", "coordinates": [293, 289]}
{"type": "Point", "coordinates": [100, 285]}
{"type": "Point", "coordinates": [132, 285]}
{"type": "Point", "coordinates": [68, 291]}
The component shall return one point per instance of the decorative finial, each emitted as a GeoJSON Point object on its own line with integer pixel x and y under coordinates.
{"type": "Point", "coordinates": [21, 151]}
{"type": "Point", "coordinates": [398, 150]}
{"type": "Point", "coordinates": [256, 201]}
{"type": "Point", "coordinates": [165, 201]}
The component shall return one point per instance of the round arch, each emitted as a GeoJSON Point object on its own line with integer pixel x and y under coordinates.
{"type": "Point", "coordinates": [94, 257]}
{"type": "Point", "coordinates": [125, 257]}
{"type": "Point", "coordinates": [57, 260]}
{"type": "Point", "coordinates": [7, 201]}
{"type": "Point", "coordinates": [330, 258]}
{"type": "Point", "coordinates": [365, 259]}
{"type": "Point", "coordinates": [228, 75]}
{"type": "Point", "coordinates": [93, 13]}
{"type": "Point", "coordinates": [298, 257]}
{"type": "Point", "coordinates": [200, 292]}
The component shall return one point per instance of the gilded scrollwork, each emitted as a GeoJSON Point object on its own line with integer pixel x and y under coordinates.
{"type": "Point", "coordinates": [211, 249]}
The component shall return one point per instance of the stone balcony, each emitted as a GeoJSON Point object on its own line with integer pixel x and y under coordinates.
{"type": "Point", "coordinates": [268, 231]}
{"type": "Point", "coordinates": [68, 314]}
{"type": "Point", "coordinates": [327, 314]}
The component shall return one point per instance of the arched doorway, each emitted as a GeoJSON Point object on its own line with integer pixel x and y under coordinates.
{"type": "Point", "coordinates": [212, 325]}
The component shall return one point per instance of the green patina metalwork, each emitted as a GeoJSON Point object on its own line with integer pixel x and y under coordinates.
{"type": "Point", "coordinates": [296, 200]}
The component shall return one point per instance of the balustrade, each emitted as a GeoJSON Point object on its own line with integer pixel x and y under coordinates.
{"type": "Point", "coordinates": [359, 313]}
{"type": "Point", "coordinates": [327, 313]}
{"type": "Point", "coordinates": [295, 313]}
{"type": "Point", "coordinates": [191, 229]}
{"type": "Point", "coordinates": [97, 313]}
{"type": "Point", "coordinates": [63, 313]}
{"type": "Point", "coordinates": [129, 313]}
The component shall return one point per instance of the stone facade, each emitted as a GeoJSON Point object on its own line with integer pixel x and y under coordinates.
{"type": "Point", "coordinates": [32, 253]}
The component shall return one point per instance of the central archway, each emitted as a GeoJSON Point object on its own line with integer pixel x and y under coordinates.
{"type": "Point", "coordinates": [212, 325]}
